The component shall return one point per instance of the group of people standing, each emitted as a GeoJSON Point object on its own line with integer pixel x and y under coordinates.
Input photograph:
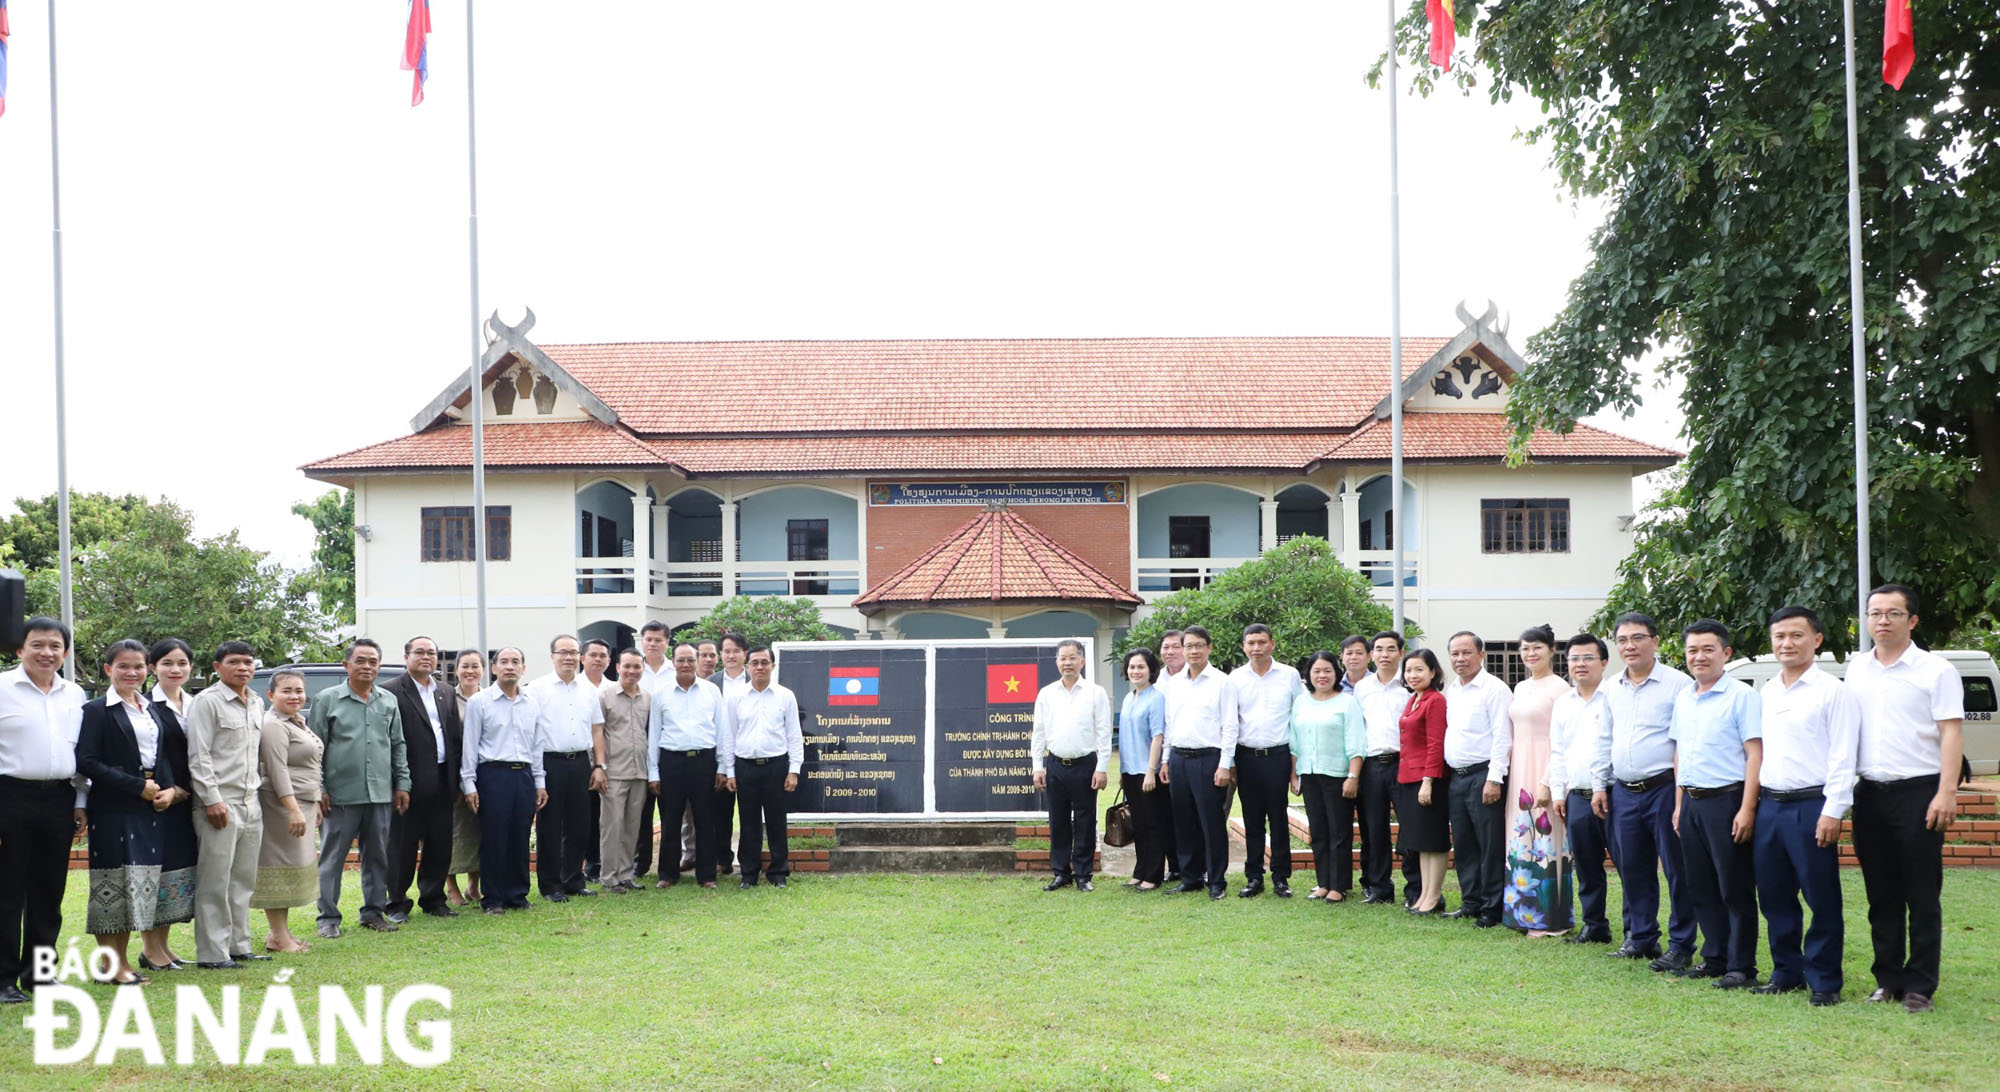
{"type": "Point", "coordinates": [1737, 794]}
{"type": "Point", "coordinates": [204, 807]}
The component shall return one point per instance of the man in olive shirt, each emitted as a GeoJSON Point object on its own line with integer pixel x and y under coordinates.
{"type": "Point", "coordinates": [365, 772]}
{"type": "Point", "coordinates": [222, 734]}
{"type": "Point", "coordinates": [618, 774]}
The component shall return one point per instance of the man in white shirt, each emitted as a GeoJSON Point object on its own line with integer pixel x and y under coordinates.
{"type": "Point", "coordinates": [1173, 661]}
{"type": "Point", "coordinates": [568, 711]}
{"type": "Point", "coordinates": [684, 735]}
{"type": "Point", "coordinates": [1069, 749]}
{"type": "Point", "coordinates": [503, 780]}
{"type": "Point", "coordinates": [732, 679]}
{"type": "Point", "coordinates": [597, 673]}
{"type": "Point", "coordinates": [1812, 736]}
{"type": "Point", "coordinates": [1636, 758]}
{"type": "Point", "coordinates": [654, 672]}
{"type": "Point", "coordinates": [1201, 736]}
{"type": "Point", "coordinates": [1478, 745]}
{"type": "Point", "coordinates": [1265, 690]}
{"type": "Point", "coordinates": [41, 800]}
{"type": "Point", "coordinates": [1576, 722]}
{"type": "Point", "coordinates": [1382, 697]}
{"type": "Point", "coordinates": [764, 753]}
{"type": "Point", "coordinates": [1912, 723]}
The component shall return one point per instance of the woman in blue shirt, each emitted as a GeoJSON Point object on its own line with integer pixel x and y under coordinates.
{"type": "Point", "coordinates": [1142, 726]}
{"type": "Point", "coordinates": [1329, 740]}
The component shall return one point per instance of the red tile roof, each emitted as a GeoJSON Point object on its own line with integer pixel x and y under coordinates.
{"type": "Point", "coordinates": [990, 453]}
{"type": "Point", "coordinates": [996, 556]}
{"type": "Point", "coordinates": [762, 387]}
{"type": "Point", "coordinates": [1482, 437]}
{"type": "Point", "coordinates": [529, 444]}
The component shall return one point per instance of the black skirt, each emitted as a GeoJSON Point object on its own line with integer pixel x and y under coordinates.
{"type": "Point", "coordinates": [1422, 828]}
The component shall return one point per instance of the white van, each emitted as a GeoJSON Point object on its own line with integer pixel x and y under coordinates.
{"type": "Point", "coordinates": [1982, 698]}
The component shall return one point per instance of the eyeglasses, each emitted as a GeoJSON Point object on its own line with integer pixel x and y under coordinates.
{"type": "Point", "coordinates": [1633, 639]}
{"type": "Point", "coordinates": [1887, 615]}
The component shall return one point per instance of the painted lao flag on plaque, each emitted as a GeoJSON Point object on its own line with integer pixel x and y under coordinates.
{"type": "Point", "coordinates": [854, 686]}
{"type": "Point", "coordinates": [1012, 682]}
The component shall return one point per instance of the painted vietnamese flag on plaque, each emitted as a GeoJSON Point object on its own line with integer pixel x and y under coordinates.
{"type": "Point", "coordinates": [1012, 682]}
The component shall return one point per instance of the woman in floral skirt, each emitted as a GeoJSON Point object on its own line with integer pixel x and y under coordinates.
{"type": "Point", "coordinates": [1537, 897]}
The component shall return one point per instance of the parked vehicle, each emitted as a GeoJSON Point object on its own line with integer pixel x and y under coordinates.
{"type": "Point", "coordinates": [318, 677]}
{"type": "Point", "coordinates": [1982, 698]}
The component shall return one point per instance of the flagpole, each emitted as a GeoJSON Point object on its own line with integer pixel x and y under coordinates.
{"type": "Point", "coordinates": [1856, 318]}
{"type": "Point", "coordinates": [1395, 346]}
{"type": "Point", "coordinates": [62, 415]}
{"type": "Point", "coordinates": [475, 393]}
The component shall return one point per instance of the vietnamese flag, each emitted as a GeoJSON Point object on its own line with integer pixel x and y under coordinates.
{"type": "Point", "coordinates": [1012, 683]}
{"type": "Point", "coordinates": [1444, 30]}
{"type": "Point", "coordinates": [1899, 45]}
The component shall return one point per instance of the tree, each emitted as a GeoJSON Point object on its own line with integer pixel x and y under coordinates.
{"type": "Point", "coordinates": [33, 531]}
{"type": "Point", "coordinates": [1308, 598]}
{"type": "Point", "coordinates": [332, 572]}
{"type": "Point", "coordinates": [157, 579]}
{"type": "Point", "coordinates": [1714, 133]}
{"type": "Point", "coordinates": [762, 619]}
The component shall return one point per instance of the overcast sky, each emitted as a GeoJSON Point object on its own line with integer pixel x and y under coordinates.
{"type": "Point", "coordinates": [265, 245]}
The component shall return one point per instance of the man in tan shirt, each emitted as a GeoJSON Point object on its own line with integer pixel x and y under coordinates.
{"type": "Point", "coordinates": [223, 730]}
{"type": "Point", "coordinates": [618, 774]}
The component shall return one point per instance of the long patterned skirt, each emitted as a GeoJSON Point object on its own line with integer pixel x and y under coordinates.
{"type": "Point", "coordinates": [177, 838]}
{"type": "Point", "coordinates": [287, 873]}
{"type": "Point", "coordinates": [125, 855]}
{"type": "Point", "coordinates": [464, 839]}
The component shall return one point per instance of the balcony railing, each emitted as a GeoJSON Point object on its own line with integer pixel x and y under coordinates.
{"type": "Point", "coordinates": [1379, 566]}
{"type": "Point", "coordinates": [1160, 576]}
{"type": "Point", "coordinates": [705, 580]}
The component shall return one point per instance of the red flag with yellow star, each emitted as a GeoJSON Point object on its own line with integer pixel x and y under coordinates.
{"type": "Point", "coordinates": [1444, 30]}
{"type": "Point", "coordinates": [1012, 682]}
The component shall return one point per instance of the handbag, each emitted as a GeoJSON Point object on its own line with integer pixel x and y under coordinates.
{"type": "Point", "coordinates": [1119, 829]}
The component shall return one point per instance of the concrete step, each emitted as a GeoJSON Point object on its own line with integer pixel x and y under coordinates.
{"type": "Point", "coordinates": [907, 858]}
{"type": "Point", "coordinates": [925, 834]}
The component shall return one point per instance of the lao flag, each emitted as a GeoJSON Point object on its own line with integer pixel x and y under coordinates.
{"type": "Point", "coordinates": [854, 686]}
{"type": "Point", "coordinates": [1012, 683]}
{"type": "Point", "coordinates": [416, 48]}
{"type": "Point", "coordinates": [3, 56]}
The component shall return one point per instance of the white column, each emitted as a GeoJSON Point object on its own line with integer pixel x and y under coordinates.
{"type": "Point", "coordinates": [728, 548]}
{"type": "Point", "coordinates": [1333, 527]}
{"type": "Point", "coordinates": [642, 549]}
{"type": "Point", "coordinates": [1267, 536]}
{"type": "Point", "coordinates": [1350, 523]}
{"type": "Point", "coordinates": [997, 632]}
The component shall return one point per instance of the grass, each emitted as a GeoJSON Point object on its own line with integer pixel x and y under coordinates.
{"type": "Point", "coordinates": [985, 982]}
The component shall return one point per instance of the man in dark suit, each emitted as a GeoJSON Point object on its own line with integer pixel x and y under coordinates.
{"type": "Point", "coordinates": [432, 735]}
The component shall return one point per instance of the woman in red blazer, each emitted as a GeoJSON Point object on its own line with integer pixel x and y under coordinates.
{"type": "Point", "coordinates": [1422, 826]}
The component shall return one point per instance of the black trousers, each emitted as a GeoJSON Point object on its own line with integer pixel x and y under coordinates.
{"type": "Point", "coordinates": [1721, 880]}
{"type": "Point", "coordinates": [1902, 869]}
{"type": "Point", "coordinates": [1330, 818]}
{"type": "Point", "coordinates": [1588, 842]}
{"type": "Point", "coordinates": [1478, 841]}
{"type": "Point", "coordinates": [1170, 848]}
{"type": "Point", "coordinates": [506, 812]}
{"type": "Point", "coordinates": [760, 798]}
{"type": "Point", "coordinates": [1153, 816]}
{"type": "Point", "coordinates": [689, 779]}
{"type": "Point", "coordinates": [590, 861]}
{"type": "Point", "coordinates": [1072, 816]}
{"type": "Point", "coordinates": [421, 833]}
{"type": "Point", "coordinates": [642, 850]}
{"type": "Point", "coordinates": [563, 824]}
{"type": "Point", "coordinates": [724, 817]}
{"type": "Point", "coordinates": [1264, 779]}
{"type": "Point", "coordinates": [37, 825]}
{"type": "Point", "coordinates": [1201, 818]}
{"type": "Point", "coordinates": [1378, 849]}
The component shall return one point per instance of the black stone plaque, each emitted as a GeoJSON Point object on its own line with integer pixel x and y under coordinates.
{"type": "Point", "coordinates": [985, 719]}
{"type": "Point", "coordinates": [861, 710]}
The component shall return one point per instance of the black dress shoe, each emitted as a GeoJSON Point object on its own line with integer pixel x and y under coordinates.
{"type": "Point", "coordinates": [1736, 980]}
{"type": "Point", "coordinates": [1916, 1002]}
{"type": "Point", "coordinates": [1218, 894]}
{"type": "Point", "coordinates": [1629, 950]}
{"type": "Point", "coordinates": [583, 893]}
{"type": "Point", "coordinates": [746, 883]}
{"type": "Point", "coordinates": [250, 957]}
{"type": "Point", "coordinates": [1372, 898]}
{"type": "Point", "coordinates": [11, 994]}
{"type": "Point", "coordinates": [1173, 879]}
{"type": "Point", "coordinates": [441, 911]}
{"type": "Point", "coordinates": [1056, 884]}
{"type": "Point", "coordinates": [1769, 988]}
{"type": "Point", "coordinates": [1707, 968]}
{"type": "Point", "coordinates": [1588, 938]}
{"type": "Point", "coordinates": [1485, 921]}
{"type": "Point", "coordinates": [399, 916]}
{"type": "Point", "coordinates": [1183, 889]}
{"type": "Point", "coordinates": [496, 911]}
{"type": "Point", "coordinates": [1085, 885]}
{"type": "Point", "coordinates": [1674, 960]}
{"type": "Point", "coordinates": [224, 965]}
{"type": "Point", "coordinates": [381, 925]}
{"type": "Point", "coordinates": [556, 896]}
{"type": "Point", "coordinates": [778, 881]}
{"type": "Point", "coordinates": [1461, 912]}
{"type": "Point", "coordinates": [1281, 888]}
{"type": "Point", "coordinates": [1884, 994]}
{"type": "Point", "coordinates": [1825, 1000]}
{"type": "Point", "coordinates": [1252, 889]}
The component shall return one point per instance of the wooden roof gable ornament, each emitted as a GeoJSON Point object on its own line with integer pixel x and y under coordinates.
{"type": "Point", "coordinates": [1455, 370]}
{"type": "Point", "coordinates": [521, 370]}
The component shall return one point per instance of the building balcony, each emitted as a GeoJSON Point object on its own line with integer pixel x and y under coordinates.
{"type": "Point", "coordinates": [697, 584]}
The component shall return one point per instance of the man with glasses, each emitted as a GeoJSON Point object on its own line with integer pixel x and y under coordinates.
{"type": "Point", "coordinates": [1201, 733]}
{"type": "Point", "coordinates": [431, 737]}
{"type": "Point", "coordinates": [1912, 721]}
{"type": "Point", "coordinates": [1382, 697]}
{"type": "Point", "coordinates": [568, 711]}
{"type": "Point", "coordinates": [1636, 758]}
{"type": "Point", "coordinates": [1569, 788]}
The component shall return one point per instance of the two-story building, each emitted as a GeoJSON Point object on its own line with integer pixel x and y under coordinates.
{"type": "Point", "coordinates": [974, 488]}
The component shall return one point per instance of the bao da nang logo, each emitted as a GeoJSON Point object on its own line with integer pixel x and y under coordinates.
{"type": "Point", "coordinates": [73, 1027]}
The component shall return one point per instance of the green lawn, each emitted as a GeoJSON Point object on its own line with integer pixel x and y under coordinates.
{"type": "Point", "coordinates": [987, 983]}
